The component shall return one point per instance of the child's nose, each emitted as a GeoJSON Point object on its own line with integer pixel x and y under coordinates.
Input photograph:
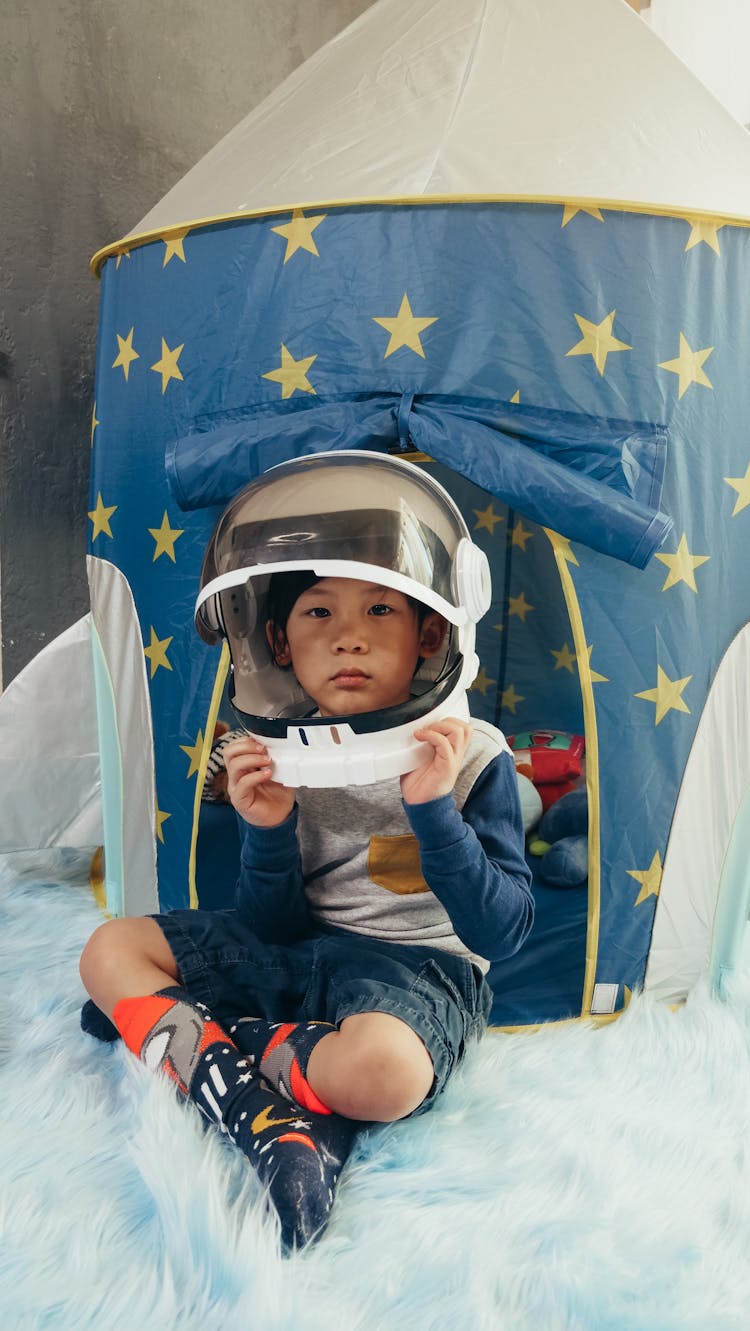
{"type": "Point", "coordinates": [351, 637]}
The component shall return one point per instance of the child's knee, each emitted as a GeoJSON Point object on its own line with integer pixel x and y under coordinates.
{"type": "Point", "coordinates": [391, 1070]}
{"type": "Point", "coordinates": [116, 948]}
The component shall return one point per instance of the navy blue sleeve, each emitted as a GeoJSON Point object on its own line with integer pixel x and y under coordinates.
{"type": "Point", "coordinates": [474, 861]}
{"type": "Point", "coordinates": [269, 893]}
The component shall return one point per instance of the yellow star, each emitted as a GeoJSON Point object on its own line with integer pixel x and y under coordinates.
{"type": "Point", "coordinates": [666, 695]}
{"type": "Point", "coordinates": [488, 519]}
{"type": "Point", "coordinates": [561, 545]}
{"type": "Point", "coordinates": [100, 517]}
{"type": "Point", "coordinates": [510, 699]}
{"type": "Point", "coordinates": [156, 652]}
{"type": "Point", "coordinates": [689, 366]}
{"type": "Point", "coordinates": [597, 341]}
{"type": "Point", "coordinates": [165, 537]}
{"type": "Point", "coordinates": [292, 374]}
{"type": "Point", "coordinates": [194, 753]}
{"type": "Point", "coordinates": [94, 423]}
{"type": "Point", "coordinates": [518, 605]}
{"type": "Point", "coordinates": [570, 210]}
{"type": "Point", "coordinates": [564, 659]}
{"type": "Point", "coordinates": [516, 396]}
{"type": "Point", "coordinates": [173, 246]}
{"type": "Point", "coordinates": [742, 485]}
{"type": "Point", "coordinates": [161, 818]}
{"type": "Point", "coordinates": [404, 329]}
{"type": "Point", "coordinates": [125, 354]}
{"type": "Point", "coordinates": [704, 229]}
{"type": "Point", "coordinates": [483, 682]}
{"type": "Point", "coordinates": [167, 366]}
{"type": "Point", "coordinates": [649, 879]}
{"type": "Point", "coordinates": [298, 233]}
{"type": "Point", "coordinates": [520, 535]}
{"type": "Point", "coordinates": [681, 566]}
{"type": "Point", "coordinates": [594, 676]}
{"type": "Point", "coordinates": [121, 254]}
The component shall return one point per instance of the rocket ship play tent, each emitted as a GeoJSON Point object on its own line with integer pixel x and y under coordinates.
{"type": "Point", "coordinates": [510, 239]}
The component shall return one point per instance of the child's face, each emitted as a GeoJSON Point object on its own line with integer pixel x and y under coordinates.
{"type": "Point", "coordinates": [354, 646]}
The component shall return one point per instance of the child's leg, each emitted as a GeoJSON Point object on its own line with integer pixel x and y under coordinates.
{"type": "Point", "coordinates": [373, 1067]}
{"type": "Point", "coordinates": [297, 1155]}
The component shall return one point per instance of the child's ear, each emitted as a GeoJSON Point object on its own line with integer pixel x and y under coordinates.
{"type": "Point", "coordinates": [278, 644]}
{"type": "Point", "coordinates": [432, 634]}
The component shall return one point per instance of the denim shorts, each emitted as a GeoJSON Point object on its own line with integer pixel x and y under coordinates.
{"type": "Point", "coordinates": [331, 975]}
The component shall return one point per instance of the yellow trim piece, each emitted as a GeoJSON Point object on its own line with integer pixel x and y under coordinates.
{"type": "Point", "coordinates": [130, 242]}
{"type": "Point", "coordinates": [96, 880]}
{"type": "Point", "coordinates": [589, 1018]}
{"type": "Point", "coordinates": [561, 550]}
{"type": "Point", "coordinates": [213, 712]}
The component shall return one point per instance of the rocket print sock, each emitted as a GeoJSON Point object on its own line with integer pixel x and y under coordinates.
{"type": "Point", "coordinates": [297, 1155]}
{"type": "Point", "coordinates": [279, 1051]}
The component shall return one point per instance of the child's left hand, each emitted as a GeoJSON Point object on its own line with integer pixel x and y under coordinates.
{"type": "Point", "coordinates": [449, 739]}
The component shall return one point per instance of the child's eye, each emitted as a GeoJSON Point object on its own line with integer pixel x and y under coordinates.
{"type": "Point", "coordinates": [318, 612]}
{"type": "Point", "coordinates": [381, 609]}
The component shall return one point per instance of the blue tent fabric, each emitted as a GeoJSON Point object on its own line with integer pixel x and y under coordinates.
{"type": "Point", "coordinates": [229, 361]}
{"type": "Point", "coordinates": [581, 477]}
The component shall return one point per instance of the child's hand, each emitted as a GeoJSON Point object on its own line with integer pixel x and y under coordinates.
{"type": "Point", "coordinates": [255, 795]}
{"type": "Point", "coordinates": [449, 739]}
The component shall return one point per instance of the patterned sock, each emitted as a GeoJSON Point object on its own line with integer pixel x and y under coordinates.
{"type": "Point", "coordinates": [280, 1051]}
{"type": "Point", "coordinates": [297, 1155]}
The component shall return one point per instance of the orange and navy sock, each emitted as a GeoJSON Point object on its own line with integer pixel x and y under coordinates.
{"type": "Point", "coordinates": [280, 1052]}
{"type": "Point", "coordinates": [297, 1154]}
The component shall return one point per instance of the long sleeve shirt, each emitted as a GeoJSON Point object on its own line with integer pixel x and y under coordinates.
{"type": "Point", "coordinates": [449, 874]}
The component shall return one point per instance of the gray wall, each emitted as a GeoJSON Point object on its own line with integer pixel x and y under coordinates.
{"type": "Point", "coordinates": [104, 104]}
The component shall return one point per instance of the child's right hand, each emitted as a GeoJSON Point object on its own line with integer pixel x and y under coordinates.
{"type": "Point", "coordinates": [254, 794]}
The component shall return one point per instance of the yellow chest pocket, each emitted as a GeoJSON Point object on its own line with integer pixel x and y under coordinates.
{"type": "Point", "coordinates": [393, 863]}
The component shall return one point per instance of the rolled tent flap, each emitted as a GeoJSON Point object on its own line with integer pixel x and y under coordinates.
{"type": "Point", "coordinates": [594, 480]}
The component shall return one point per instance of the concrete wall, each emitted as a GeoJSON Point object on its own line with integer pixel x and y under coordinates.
{"type": "Point", "coordinates": [104, 104]}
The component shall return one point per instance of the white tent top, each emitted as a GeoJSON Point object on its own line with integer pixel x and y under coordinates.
{"type": "Point", "coordinates": [540, 99]}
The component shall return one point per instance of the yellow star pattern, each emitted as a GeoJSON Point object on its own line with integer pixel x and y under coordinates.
{"type": "Point", "coordinates": [703, 230]}
{"type": "Point", "coordinates": [165, 537]}
{"type": "Point", "coordinates": [594, 676]}
{"type": "Point", "coordinates": [598, 340]}
{"type": "Point", "coordinates": [167, 366]}
{"type": "Point", "coordinates": [404, 329]}
{"type": "Point", "coordinates": [161, 818]}
{"type": "Point", "coordinates": [649, 879]}
{"type": "Point", "coordinates": [570, 210]}
{"type": "Point", "coordinates": [564, 659]}
{"type": "Point", "coordinates": [742, 485]}
{"type": "Point", "coordinates": [174, 247]}
{"type": "Point", "coordinates": [681, 565]}
{"type": "Point", "coordinates": [688, 366]}
{"type": "Point", "coordinates": [667, 694]}
{"type": "Point", "coordinates": [94, 423]}
{"type": "Point", "coordinates": [194, 753]}
{"type": "Point", "coordinates": [510, 699]}
{"type": "Point", "coordinates": [121, 254]}
{"type": "Point", "coordinates": [561, 545]}
{"type": "Point", "coordinates": [488, 519]}
{"type": "Point", "coordinates": [292, 374]}
{"type": "Point", "coordinates": [516, 396]}
{"type": "Point", "coordinates": [520, 535]}
{"type": "Point", "coordinates": [298, 233]}
{"type": "Point", "coordinates": [126, 354]}
{"type": "Point", "coordinates": [518, 605]}
{"type": "Point", "coordinates": [156, 652]}
{"type": "Point", "coordinates": [100, 517]}
{"type": "Point", "coordinates": [483, 682]}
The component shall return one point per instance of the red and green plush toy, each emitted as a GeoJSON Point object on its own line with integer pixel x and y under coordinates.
{"type": "Point", "coordinates": [554, 761]}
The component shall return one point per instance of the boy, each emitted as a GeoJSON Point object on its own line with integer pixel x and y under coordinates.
{"type": "Point", "coordinates": [365, 919]}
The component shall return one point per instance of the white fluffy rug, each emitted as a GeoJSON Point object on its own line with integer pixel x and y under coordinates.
{"type": "Point", "coordinates": [570, 1180]}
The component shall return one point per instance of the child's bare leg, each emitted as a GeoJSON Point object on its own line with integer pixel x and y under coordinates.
{"type": "Point", "coordinates": [374, 1067]}
{"type": "Point", "coordinates": [124, 959]}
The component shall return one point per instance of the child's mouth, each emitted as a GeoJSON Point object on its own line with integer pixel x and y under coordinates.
{"type": "Point", "coordinates": [350, 679]}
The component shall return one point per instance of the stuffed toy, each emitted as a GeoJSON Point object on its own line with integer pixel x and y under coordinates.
{"type": "Point", "coordinates": [562, 841]}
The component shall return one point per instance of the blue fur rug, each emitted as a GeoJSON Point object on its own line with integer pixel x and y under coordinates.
{"type": "Point", "coordinates": [570, 1180]}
